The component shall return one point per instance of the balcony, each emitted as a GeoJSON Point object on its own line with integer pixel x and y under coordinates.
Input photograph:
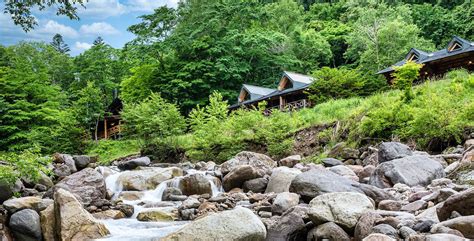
{"type": "Point", "coordinates": [290, 106]}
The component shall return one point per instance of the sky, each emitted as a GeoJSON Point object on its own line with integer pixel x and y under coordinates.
{"type": "Point", "coordinates": [106, 18]}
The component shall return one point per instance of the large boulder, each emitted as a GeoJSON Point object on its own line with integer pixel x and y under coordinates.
{"type": "Point", "coordinates": [328, 231]}
{"type": "Point", "coordinates": [238, 176]}
{"type": "Point", "coordinates": [25, 225]}
{"type": "Point", "coordinates": [195, 184]}
{"type": "Point", "coordinates": [237, 224]}
{"type": "Point", "coordinates": [87, 185]}
{"type": "Point", "coordinates": [411, 170]}
{"type": "Point", "coordinates": [463, 224]}
{"type": "Point", "coordinates": [315, 182]}
{"type": "Point", "coordinates": [281, 178]}
{"type": "Point", "coordinates": [462, 203]}
{"type": "Point", "coordinates": [284, 201]}
{"type": "Point", "coordinates": [134, 163]}
{"type": "Point", "coordinates": [393, 150]}
{"type": "Point", "coordinates": [72, 221]}
{"type": "Point", "coordinates": [35, 203]}
{"type": "Point", "coordinates": [147, 179]}
{"type": "Point", "coordinates": [262, 163]}
{"type": "Point", "coordinates": [343, 208]}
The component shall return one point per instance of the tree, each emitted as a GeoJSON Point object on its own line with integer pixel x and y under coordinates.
{"type": "Point", "coordinates": [59, 45]}
{"type": "Point", "coordinates": [20, 11]}
{"type": "Point", "coordinates": [98, 41]}
{"type": "Point", "coordinates": [404, 76]}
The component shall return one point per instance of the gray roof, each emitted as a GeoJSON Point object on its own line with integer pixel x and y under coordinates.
{"type": "Point", "coordinates": [424, 57]}
{"type": "Point", "coordinates": [256, 92]}
{"type": "Point", "coordinates": [298, 79]}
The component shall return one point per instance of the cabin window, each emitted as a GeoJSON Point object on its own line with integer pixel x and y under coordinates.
{"type": "Point", "coordinates": [413, 57]}
{"type": "Point", "coordinates": [455, 46]}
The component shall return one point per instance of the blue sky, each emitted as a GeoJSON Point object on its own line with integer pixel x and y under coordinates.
{"type": "Point", "coordinates": [106, 18]}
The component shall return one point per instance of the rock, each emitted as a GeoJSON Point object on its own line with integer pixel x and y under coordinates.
{"type": "Point", "coordinates": [378, 237]}
{"type": "Point", "coordinates": [237, 224]}
{"type": "Point", "coordinates": [442, 237]}
{"type": "Point", "coordinates": [385, 229]}
{"type": "Point", "coordinates": [468, 143]}
{"type": "Point", "coordinates": [390, 205]}
{"type": "Point", "coordinates": [462, 203]}
{"type": "Point", "coordinates": [281, 178]}
{"type": "Point", "coordinates": [171, 192]}
{"type": "Point", "coordinates": [343, 208]}
{"type": "Point", "coordinates": [423, 225]}
{"type": "Point", "coordinates": [66, 159]}
{"type": "Point", "coordinates": [328, 231]}
{"type": "Point", "coordinates": [364, 225]}
{"type": "Point", "coordinates": [330, 162]}
{"type": "Point", "coordinates": [315, 182]}
{"type": "Point", "coordinates": [392, 150]}
{"type": "Point", "coordinates": [134, 163]}
{"type": "Point", "coordinates": [344, 171]}
{"type": "Point", "coordinates": [429, 214]}
{"type": "Point", "coordinates": [414, 206]}
{"type": "Point", "coordinates": [48, 223]}
{"type": "Point", "coordinates": [131, 195]}
{"type": "Point", "coordinates": [290, 226]}
{"type": "Point", "coordinates": [61, 170]}
{"type": "Point", "coordinates": [411, 170]}
{"type": "Point", "coordinates": [7, 190]}
{"type": "Point", "coordinates": [377, 194]}
{"type": "Point", "coordinates": [158, 215]}
{"type": "Point", "coordinates": [406, 232]}
{"type": "Point", "coordinates": [35, 203]}
{"type": "Point", "coordinates": [464, 224]}
{"type": "Point", "coordinates": [109, 214]}
{"type": "Point", "coordinates": [290, 161]}
{"type": "Point", "coordinates": [262, 163]}
{"type": "Point", "coordinates": [45, 180]}
{"type": "Point", "coordinates": [466, 178]}
{"type": "Point", "coordinates": [25, 225]}
{"type": "Point", "coordinates": [72, 221]}
{"type": "Point", "coordinates": [284, 201]}
{"type": "Point", "coordinates": [452, 167]}
{"type": "Point", "coordinates": [257, 185]}
{"type": "Point", "coordinates": [340, 150]}
{"type": "Point", "coordinates": [238, 176]}
{"type": "Point", "coordinates": [81, 161]}
{"type": "Point", "coordinates": [126, 209]}
{"type": "Point", "coordinates": [195, 184]}
{"type": "Point", "coordinates": [147, 179]}
{"type": "Point", "coordinates": [87, 185]}
{"type": "Point", "coordinates": [188, 214]}
{"type": "Point", "coordinates": [190, 202]}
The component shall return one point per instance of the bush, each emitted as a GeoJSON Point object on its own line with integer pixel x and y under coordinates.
{"type": "Point", "coordinates": [109, 150]}
{"type": "Point", "coordinates": [404, 76]}
{"type": "Point", "coordinates": [28, 164]}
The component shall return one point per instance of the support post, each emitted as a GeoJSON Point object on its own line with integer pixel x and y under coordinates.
{"type": "Point", "coordinates": [105, 129]}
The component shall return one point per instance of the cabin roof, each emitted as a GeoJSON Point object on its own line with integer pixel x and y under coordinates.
{"type": "Point", "coordinates": [464, 46]}
{"type": "Point", "coordinates": [252, 89]}
{"type": "Point", "coordinates": [296, 77]}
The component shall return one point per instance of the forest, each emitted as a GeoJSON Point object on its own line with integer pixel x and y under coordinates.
{"type": "Point", "coordinates": [51, 101]}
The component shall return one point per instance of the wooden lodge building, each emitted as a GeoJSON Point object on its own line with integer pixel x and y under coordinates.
{"type": "Point", "coordinates": [459, 53]}
{"type": "Point", "coordinates": [289, 95]}
{"type": "Point", "coordinates": [110, 126]}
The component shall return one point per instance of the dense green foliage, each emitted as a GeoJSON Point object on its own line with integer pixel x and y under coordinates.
{"type": "Point", "coordinates": [28, 164]}
{"type": "Point", "coordinates": [405, 76]}
{"type": "Point", "coordinates": [109, 150]}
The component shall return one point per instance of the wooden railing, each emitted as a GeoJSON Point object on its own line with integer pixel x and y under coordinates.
{"type": "Point", "coordinates": [290, 106]}
{"type": "Point", "coordinates": [115, 130]}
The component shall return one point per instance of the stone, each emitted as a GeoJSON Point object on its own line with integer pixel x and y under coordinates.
{"type": "Point", "coordinates": [344, 171]}
{"type": "Point", "coordinates": [378, 237]}
{"type": "Point", "coordinates": [66, 159]}
{"type": "Point", "coordinates": [406, 232]}
{"type": "Point", "coordinates": [377, 194]}
{"type": "Point", "coordinates": [126, 209]}
{"type": "Point", "coordinates": [290, 161]}
{"type": "Point", "coordinates": [466, 177]}
{"type": "Point", "coordinates": [385, 229]}
{"type": "Point", "coordinates": [238, 176]}
{"type": "Point", "coordinates": [61, 170]}
{"type": "Point", "coordinates": [81, 161]}
{"type": "Point", "coordinates": [281, 179]}
{"type": "Point", "coordinates": [364, 225]}
{"type": "Point", "coordinates": [328, 231]}
{"type": "Point", "coordinates": [48, 222]}
{"type": "Point", "coordinates": [284, 201]}
{"type": "Point", "coordinates": [239, 224]}
{"type": "Point", "coordinates": [452, 167]}
{"type": "Point", "coordinates": [87, 185]}
{"type": "Point", "coordinates": [190, 202]}
{"type": "Point", "coordinates": [343, 208]}
{"type": "Point", "coordinates": [148, 178]}
{"type": "Point", "coordinates": [109, 214]}
{"type": "Point", "coordinates": [158, 215]}
{"type": "Point", "coordinates": [171, 192]}
{"type": "Point", "coordinates": [464, 224]}
{"type": "Point", "coordinates": [7, 190]}
{"type": "Point", "coordinates": [35, 203]}
{"type": "Point", "coordinates": [262, 163]}
{"type": "Point", "coordinates": [462, 203]}
{"type": "Point", "coordinates": [315, 182]}
{"type": "Point", "coordinates": [25, 225]}
{"type": "Point", "coordinates": [330, 162]}
{"type": "Point", "coordinates": [392, 150]}
{"type": "Point", "coordinates": [134, 163]}
{"type": "Point", "coordinates": [195, 184]}
{"type": "Point", "coordinates": [411, 170]}
{"type": "Point", "coordinates": [423, 225]}
{"type": "Point", "coordinates": [414, 206]}
{"type": "Point", "coordinates": [468, 143]}
{"type": "Point", "coordinates": [257, 185]}
{"type": "Point", "coordinates": [429, 214]}
{"type": "Point", "coordinates": [442, 237]}
{"type": "Point", "coordinates": [390, 205]}
{"type": "Point", "coordinates": [290, 226]}
{"type": "Point", "coordinates": [72, 221]}
{"type": "Point", "coordinates": [131, 195]}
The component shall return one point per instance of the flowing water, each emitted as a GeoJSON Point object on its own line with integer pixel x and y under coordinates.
{"type": "Point", "coordinates": [133, 229]}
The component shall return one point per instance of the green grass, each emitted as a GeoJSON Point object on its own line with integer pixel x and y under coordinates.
{"type": "Point", "coordinates": [109, 150]}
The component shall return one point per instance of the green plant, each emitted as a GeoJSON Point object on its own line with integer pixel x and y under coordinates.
{"type": "Point", "coordinates": [109, 150]}
{"type": "Point", "coordinates": [27, 164]}
{"type": "Point", "coordinates": [404, 76]}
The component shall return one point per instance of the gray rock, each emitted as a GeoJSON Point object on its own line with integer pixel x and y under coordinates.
{"type": "Point", "coordinates": [328, 231]}
{"type": "Point", "coordinates": [195, 184]}
{"type": "Point", "coordinates": [344, 171]}
{"type": "Point", "coordinates": [364, 225]}
{"type": "Point", "coordinates": [81, 161]}
{"type": "Point", "coordinates": [25, 225]}
{"type": "Point", "coordinates": [190, 202]}
{"type": "Point", "coordinates": [134, 163]}
{"type": "Point", "coordinates": [464, 224]}
{"type": "Point", "coordinates": [290, 161]}
{"type": "Point", "coordinates": [257, 185]}
{"type": "Point", "coordinates": [385, 229]}
{"type": "Point", "coordinates": [168, 192]}
{"type": "Point", "coordinates": [238, 176]}
{"type": "Point", "coordinates": [443, 237]}
{"type": "Point", "coordinates": [87, 185]}
{"type": "Point", "coordinates": [411, 170]}
{"type": "Point", "coordinates": [284, 201]}
{"type": "Point", "coordinates": [262, 163]}
{"type": "Point", "coordinates": [35, 203]}
{"type": "Point", "coordinates": [281, 179]}
{"type": "Point", "coordinates": [61, 170]}
{"type": "Point", "coordinates": [392, 150]}
{"type": "Point", "coordinates": [7, 190]}
{"type": "Point", "coordinates": [378, 237]}
{"type": "Point", "coordinates": [377, 194]}
{"type": "Point", "coordinates": [466, 177]}
{"type": "Point", "coordinates": [67, 160]}
{"type": "Point", "coordinates": [290, 226]}
{"type": "Point", "coordinates": [423, 226]}
{"type": "Point", "coordinates": [406, 232]}
{"type": "Point", "coordinates": [414, 206]}
{"type": "Point", "coordinates": [390, 205]}
{"type": "Point", "coordinates": [315, 182]}
{"type": "Point", "coordinates": [330, 162]}
{"type": "Point", "coordinates": [462, 203]}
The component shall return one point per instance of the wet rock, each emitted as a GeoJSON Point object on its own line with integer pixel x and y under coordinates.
{"type": "Point", "coordinates": [131, 195]}
{"type": "Point", "coordinates": [87, 185]}
{"type": "Point", "coordinates": [464, 224]}
{"type": "Point", "coordinates": [72, 221]}
{"type": "Point", "coordinates": [158, 215]}
{"type": "Point", "coordinates": [188, 214]}
{"type": "Point", "coordinates": [290, 226]}
{"type": "Point", "coordinates": [343, 208]}
{"type": "Point", "coordinates": [147, 179]}
{"type": "Point", "coordinates": [390, 205]}
{"type": "Point", "coordinates": [385, 229]}
{"type": "Point", "coordinates": [190, 202]}
{"type": "Point", "coordinates": [262, 163]}
{"type": "Point", "coordinates": [238, 176]}
{"type": "Point", "coordinates": [81, 161]}
{"type": "Point", "coordinates": [328, 231]}
{"type": "Point", "coordinates": [281, 179]}
{"type": "Point", "coordinates": [290, 161]}
{"type": "Point", "coordinates": [284, 201]}
{"type": "Point", "coordinates": [35, 203]}
{"type": "Point", "coordinates": [330, 162]}
{"type": "Point", "coordinates": [25, 225]}
{"type": "Point", "coordinates": [378, 237]}
{"type": "Point", "coordinates": [126, 209]}
{"type": "Point", "coordinates": [170, 192]}
{"type": "Point", "coordinates": [134, 163]}
{"type": "Point", "coordinates": [411, 170]}
{"type": "Point", "coordinates": [364, 225]}
{"type": "Point", "coordinates": [462, 203]}
{"type": "Point", "coordinates": [316, 182]}
{"type": "Point", "coordinates": [392, 150]}
{"type": "Point", "coordinates": [257, 185]}
{"type": "Point", "coordinates": [238, 224]}
{"type": "Point", "coordinates": [195, 184]}
{"type": "Point", "coordinates": [109, 214]}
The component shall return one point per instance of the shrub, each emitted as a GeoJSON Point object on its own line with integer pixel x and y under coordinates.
{"type": "Point", "coordinates": [28, 164]}
{"type": "Point", "coordinates": [109, 150]}
{"type": "Point", "coordinates": [404, 76]}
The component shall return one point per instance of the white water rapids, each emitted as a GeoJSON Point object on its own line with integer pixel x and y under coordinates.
{"type": "Point", "coordinates": [133, 229]}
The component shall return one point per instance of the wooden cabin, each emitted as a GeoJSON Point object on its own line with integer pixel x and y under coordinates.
{"type": "Point", "coordinates": [289, 94]}
{"type": "Point", "coordinates": [459, 53]}
{"type": "Point", "coordinates": [110, 127]}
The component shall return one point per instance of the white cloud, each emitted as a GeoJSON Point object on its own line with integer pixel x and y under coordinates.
{"type": "Point", "coordinates": [52, 27]}
{"type": "Point", "coordinates": [82, 46]}
{"type": "Point", "coordinates": [149, 5]}
{"type": "Point", "coordinates": [102, 9]}
{"type": "Point", "coordinates": [101, 28]}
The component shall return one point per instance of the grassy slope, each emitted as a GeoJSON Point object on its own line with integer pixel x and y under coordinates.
{"type": "Point", "coordinates": [109, 150]}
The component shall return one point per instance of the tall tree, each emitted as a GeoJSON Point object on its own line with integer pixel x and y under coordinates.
{"type": "Point", "coordinates": [98, 41]}
{"type": "Point", "coordinates": [59, 44]}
